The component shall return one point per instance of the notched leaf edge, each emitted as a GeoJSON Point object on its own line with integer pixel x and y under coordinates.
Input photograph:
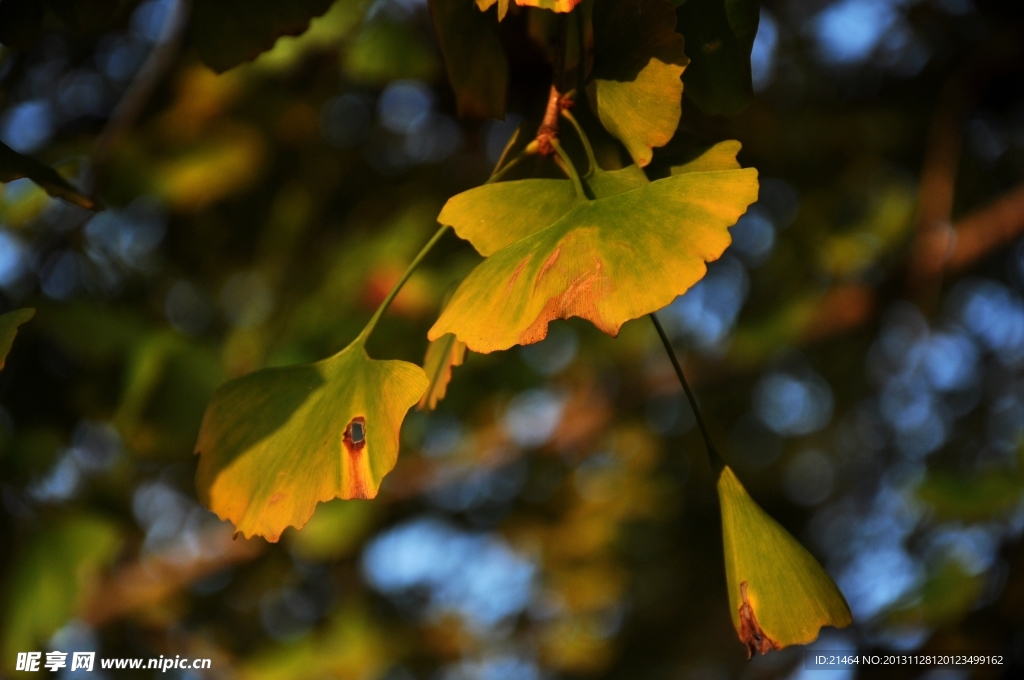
{"type": "Point", "coordinates": [751, 635]}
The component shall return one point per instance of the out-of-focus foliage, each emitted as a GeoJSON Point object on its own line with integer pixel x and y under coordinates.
{"type": "Point", "coordinates": [554, 515]}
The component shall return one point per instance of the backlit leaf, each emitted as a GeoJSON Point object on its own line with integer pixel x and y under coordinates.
{"type": "Point", "coordinates": [14, 165]}
{"type": "Point", "coordinates": [596, 260]}
{"type": "Point", "coordinates": [553, 5]}
{"type": "Point", "coordinates": [228, 32]}
{"type": "Point", "coordinates": [643, 113]}
{"type": "Point", "coordinates": [9, 323]}
{"type": "Point", "coordinates": [638, 61]}
{"type": "Point", "coordinates": [473, 56]}
{"type": "Point", "coordinates": [719, 37]}
{"type": "Point", "coordinates": [443, 355]}
{"type": "Point", "coordinates": [721, 156]}
{"type": "Point", "coordinates": [276, 442]}
{"type": "Point", "coordinates": [485, 5]}
{"type": "Point", "coordinates": [778, 593]}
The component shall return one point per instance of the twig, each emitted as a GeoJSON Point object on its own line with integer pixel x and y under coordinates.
{"type": "Point", "coordinates": [713, 458]}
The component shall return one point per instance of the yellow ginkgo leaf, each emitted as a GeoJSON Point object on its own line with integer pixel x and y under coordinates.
{"type": "Point", "coordinates": [276, 442]}
{"type": "Point", "coordinates": [629, 252]}
{"type": "Point", "coordinates": [443, 355]}
{"type": "Point", "coordinates": [485, 5]}
{"type": "Point", "coordinates": [553, 5]}
{"type": "Point", "coordinates": [778, 593]}
{"type": "Point", "coordinates": [9, 323]}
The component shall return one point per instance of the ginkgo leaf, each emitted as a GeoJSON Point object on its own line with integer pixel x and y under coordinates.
{"type": "Point", "coordinates": [485, 5]}
{"type": "Point", "coordinates": [443, 355]}
{"type": "Point", "coordinates": [778, 593]}
{"type": "Point", "coordinates": [719, 38]}
{"type": "Point", "coordinates": [607, 260]}
{"type": "Point", "coordinates": [639, 58]}
{"type": "Point", "coordinates": [14, 165]}
{"type": "Point", "coordinates": [228, 32]}
{"type": "Point", "coordinates": [276, 442]}
{"type": "Point", "coordinates": [493, 216]}
{"type": "Point", "coordinates": [643, 113]}
{"type": "Point", "coordinates": [473, 56]}
{"type": "Point", "coordinates": [721, 156]}
{"type": "Point", "coordinates": [9, 323]}
{"type": "Point", "coordinates": [553, 5]}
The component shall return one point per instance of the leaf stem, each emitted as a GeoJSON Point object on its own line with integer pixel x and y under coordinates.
{"type": "Point", "coordinates": [398, 286]}
{"type": "Point", "coordinates": [584, 140]}
{"type": "Point", "coordinates": [569, 169]}
{"type": "Point", "coordinates": [393, 293]}
{"type": "Point", "coordinates": [713, 458]}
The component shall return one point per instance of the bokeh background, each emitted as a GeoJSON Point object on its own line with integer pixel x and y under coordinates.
{"type": "Point", "coordinates": [858, 353]}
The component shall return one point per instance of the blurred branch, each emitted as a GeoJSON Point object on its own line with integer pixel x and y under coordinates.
{"type": "Point", "coordinates": [987, 229]}
{"type": "Point", "coordinates": [133, 101]}
{"type": "Point", "coordinates": [933, 230]}
{"type": "Point", "coordinates": [152, 578]}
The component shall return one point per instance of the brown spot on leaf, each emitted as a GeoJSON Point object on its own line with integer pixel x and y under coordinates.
{"type": "Point", "coordinates": [355, 435]}
{"type": "Point", "coordinates": [750, 630]}
{"type": "Point", "coordinates": [578, 299]}
{"type": "Point", "coordinates": [548, 264]}
{"type": "Point", "coordinates": [515, 275]}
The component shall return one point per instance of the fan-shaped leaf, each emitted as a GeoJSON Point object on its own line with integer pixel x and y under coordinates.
{"type": "Point", "coordinates": [9, 323]}
{"type": "Point", "coordinates": [778, 593]}
{"type": "Point", "coordinates": [643, 113]}
{"type": "Point", "coordinates": [721, 156]}
{"type": "Point", "coordinates": [638, 61]}
{"type": "Point", "coordinates": [276, 442]}
{"type": "Point", "coordinates": [443, 355]}
{"type": "Point", "coordinates": [607, 260]}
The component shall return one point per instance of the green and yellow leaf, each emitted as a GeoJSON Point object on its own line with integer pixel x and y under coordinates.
{"type": "Point", "coordinates": [778, 593]}
{"type": "Point", "coordinates": [276, 442]}
{"type": "Point", "coordinates": [443, 355]}
{"type": "Point", "coordinates": [643, 113]}
{"type": "Point", "coordinates": [639, 59]}
{"type": "Point", "coordinates": [721, 156]}
{"type": "Point", "coordinates": [9, 324]}
{"type": "Point", "coordinates": [14, 165]}
{"type": "Point", "coordinates": [595, 260]}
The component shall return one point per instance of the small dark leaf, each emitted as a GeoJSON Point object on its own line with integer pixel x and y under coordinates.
{"type": "Point", "coordinates": [473, 56]}
{"type": "Point", "coordinates": [719, 37]}
{"type": "Point", "coordinates": [228, 32]}
{"type": "Point", "coordinates": [14, 165]}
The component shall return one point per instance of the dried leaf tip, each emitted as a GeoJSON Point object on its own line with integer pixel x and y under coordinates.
{"type": "Point", "coordinates": [778, 593]}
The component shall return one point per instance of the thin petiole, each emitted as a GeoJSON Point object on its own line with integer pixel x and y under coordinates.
{"type": "Point", "coordinates": [713, 458]}
{"type": "Point", "coordinates": [569, 169]}
{"type": "Point", "coordinates": [584, 140]}
{"type": "Point", "coordinates": [401, 282]}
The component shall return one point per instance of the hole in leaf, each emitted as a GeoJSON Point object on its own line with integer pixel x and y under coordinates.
{"type": "Point", "coordinates": [355, 435]}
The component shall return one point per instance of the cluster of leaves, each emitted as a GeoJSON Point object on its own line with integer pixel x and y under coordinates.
{"type": "Point", "coordinates": [608, 234]}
